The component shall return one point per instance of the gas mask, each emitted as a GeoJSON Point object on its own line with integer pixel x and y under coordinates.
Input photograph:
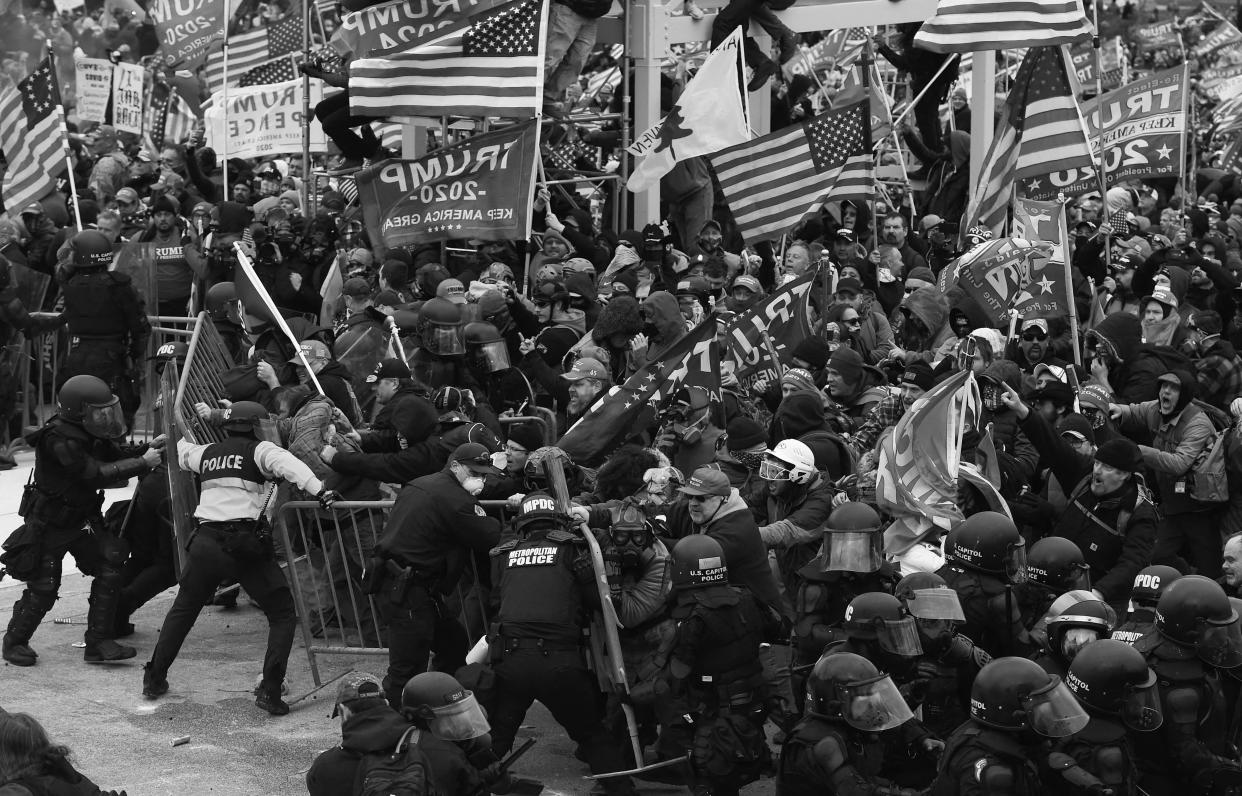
{"type": "Point", "coordinates": [628, 540]}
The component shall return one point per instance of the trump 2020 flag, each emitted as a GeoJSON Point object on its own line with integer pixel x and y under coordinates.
{"type": "Point", "coordinates": [489, 64]}
{"type": "Point", "coordinates": [709, 116]}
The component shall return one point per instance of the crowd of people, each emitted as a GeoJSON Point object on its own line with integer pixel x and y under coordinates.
{"type": "Point", "coordinates": [1077, 632]}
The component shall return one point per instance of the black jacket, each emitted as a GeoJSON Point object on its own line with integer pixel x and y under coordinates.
{"type": "Point", "coordinates": [374, 728]}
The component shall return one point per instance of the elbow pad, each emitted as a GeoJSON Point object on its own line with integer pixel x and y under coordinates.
{"type": "Point", "coordinates": [122, 470]}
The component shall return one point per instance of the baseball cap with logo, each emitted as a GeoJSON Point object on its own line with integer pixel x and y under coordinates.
{"type": "Point", "coordinates": [392, 368]}
{"type": "Point", "coordinates": [356, 287]}
{"type": "Point", "coordinates": [127, 196]}
{"type": "Point", "coordinates": [312, 350]}
{"type": "Point", "coordinates": [453, 290]}
{"type": "Point", "coordinates": [748, 282]}
{"type": "Point", "coordinates": [474, 457]}
{"type": "Point", "coordinates": [356, 686]}
{"type": "Point", "coordinates": [587, 368]}
{"type": "Point", "coordinates": [707, 481]}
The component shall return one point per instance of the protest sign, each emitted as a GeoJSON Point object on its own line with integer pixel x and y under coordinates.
{"type": "Point", "coordinates": [1144, 127]}
{"type": "Point", "coordinates": [480, 188]}
{"type": "Point", "coordinates": [263, 120]}
{"type": "Point", "coordinates": [127, 98]}
{"type": "Point", "coordinates": [1157, 36]}
{"type": "Point", "coordinates": [775, 325]}
{"type": "Point", "coordinates": [396, 25]}
{"type": "Point", "coordinates": [186, 27]}
{"type": "Point", "coordinates": [93, 77]}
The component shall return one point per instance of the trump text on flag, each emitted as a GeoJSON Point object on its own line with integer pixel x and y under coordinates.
{"type": "Point", "coordinates": [186, 27]}
{"type": "Point", "coordinates": [388, 26]}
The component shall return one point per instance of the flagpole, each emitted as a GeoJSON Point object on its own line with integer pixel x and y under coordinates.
{"type": "Point", "coordinates": [926, 88]}
{"type": "Point", "coordinates": [224, 111]}
{"type": "Point", "coordinates": [306, 110]}
{"type": "Point", "coordinates": [64, 136]}
{"type": "Point", "coordinates": [866, 83]}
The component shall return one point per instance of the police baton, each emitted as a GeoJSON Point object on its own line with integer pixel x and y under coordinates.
{"type": "Point", "coordinates": [522, 786]}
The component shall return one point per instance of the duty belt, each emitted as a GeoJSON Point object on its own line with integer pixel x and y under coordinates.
{"type": "Point", "coordinates": [511, 643]}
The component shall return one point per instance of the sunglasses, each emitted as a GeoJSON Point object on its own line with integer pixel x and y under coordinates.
{"type": "Point", "coordinates": [698, 498]}
{"type": "Point", "coordinates": [851, 322]}
{"type": "Point", "coordinates": [1031, 337]}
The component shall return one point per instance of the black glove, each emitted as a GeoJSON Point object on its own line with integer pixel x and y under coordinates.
{"type": "Point", "coordinates": [327, 497]}
{"type": "Point", "coordinates": [1031, 509]}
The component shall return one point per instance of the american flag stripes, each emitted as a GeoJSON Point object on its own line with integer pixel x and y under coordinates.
{"type": "Point", "coordinates": [490, 64]}
{"type": "Point", "coordinates": [252, 49]}
{"type": "Point", "coordinates": [1040, 131]}
{"type": "Point", "coordinates": [771, 182]}
{"type": "Point", "coordinates": [962, 26]}
{"type": "Point", "coordinates": [277, 70]}
{"type": "Point", "coordinates": [179, 120]}
{"type": "Point", "coordinates": [31, 137]}
{"type": "Point", "coordinates": [156, 112]}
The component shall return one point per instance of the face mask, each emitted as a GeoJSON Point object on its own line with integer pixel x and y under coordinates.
{"type": "Point", "coordinates": [473, 484]}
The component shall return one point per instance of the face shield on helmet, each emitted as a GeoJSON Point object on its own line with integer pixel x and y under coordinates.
{"type": "Point", "coordinates": [462, 720]}
{"type": "Point", "coordinates": [494, 356]}
{"type": "Point", "coordinates": [1075, 639]}
{"type": "Point", "coordinates": [442, 340]}
{"type": "Point", "coordinates": [1220, 645]}
{"type": "Point", "coordinates": [1141, 708]}
{"type": "Point", "coordinates": [900, 636]}
{"type": "Point", "coordinates": [1053, 712]}
{"type": "Point", "coordinates": [852, 551]}
{"type": "Point", "coordinates": [936, 605]}
{"type": "Point", "coordinates": [1015, 563]}
{"type": "Point", "coordinates": [773, 469]}
{"type": "Point", "coordinates": [105, 421]}
{"type": "Point", "coordinates": [874, 705]}
{"type": "Point", "coordinates": [265, 430]}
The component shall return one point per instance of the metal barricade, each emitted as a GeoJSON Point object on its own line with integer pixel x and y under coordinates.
{"type": "Point", "coordinates": [326, 553]}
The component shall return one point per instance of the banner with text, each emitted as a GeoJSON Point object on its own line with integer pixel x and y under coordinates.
{"type": "Point", "coordinates": [264, 120]}
{"type": "Point", "coordinates": [1221, 82]}
{"type": "Point", "coordinates": [999, 281]}
{"type": "Point", "coordinates": [775, 325]}
{"type": "Point", "coordinates": [1157, 36]}
{"type": "Point", "coordinates": [1045, 292]}
{"type": "Point", "coordinates": [1144, 127]}
{"type": "Point", "coordinates": [127, 98]}
{"type": "Point", "coordinates": [187, 27]}
{"type": "Point", "coordinates": [1112, 59]}
{"type": "Point", "coordinates": [93, 77]}
{"type": "Point", "coordinates": [396, 25]}
{"type": "Point", "coordinates": [480, 188]}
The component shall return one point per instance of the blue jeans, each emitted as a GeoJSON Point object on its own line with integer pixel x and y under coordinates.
{"type": "Point", "coordinates": [571, 37]}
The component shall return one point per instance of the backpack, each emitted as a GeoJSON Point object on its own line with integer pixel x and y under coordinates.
{"type": "Point", "coordinates": [404, 772]}
{"type": "Point", "coordinates": [1209, 481]}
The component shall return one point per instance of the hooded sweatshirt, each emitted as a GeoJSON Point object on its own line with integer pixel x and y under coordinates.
{"type": "Point", "coordinates": [931, 308]}
{"type": "Point", "coordinates": [1006, 434]}
{"type": "Point", "coordinates": [663, 324]}
{"type": "Point", "coordinates": [374, 728]}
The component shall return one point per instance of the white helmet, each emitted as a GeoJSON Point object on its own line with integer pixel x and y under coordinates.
{"type": "Point", "coordinates": [790, 460]}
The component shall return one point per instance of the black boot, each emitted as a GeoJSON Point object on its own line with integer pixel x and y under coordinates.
{"type": "Point", "coordinates": [28, 612]}
{"type": "Point", "coordinates": [269, 698]}
{"type": "Point", "coordinates": [100, 620]}
{"type": "Point", "coordinates": [154, 684]}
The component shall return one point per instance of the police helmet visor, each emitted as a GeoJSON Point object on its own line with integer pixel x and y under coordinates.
{"type": "Point", "coordinates": [934, 604]}
{"type": "Point", "coordinates": [850, 551]}
{"type": "Point", "coordinates": [1053, 712]}
{"type": "Point", "coordinates": [495, 356]}
{"type": "Point", "coordinates": [874, 705]}
{"type": "Point", "coordinates": [1141, 708]}
{"type": "Point", "coordinates": [1220, 645]}
{"type": "Point", "coordinates": [1015, 563]}
{"type": "Point", "coordinates": [900, 636]}
{"type": "Point", "coordinates": [105, 421]}
{"type": "Point", "coordinates": [265, 431]}
{"type": "Point", "coordinates": [443, 340]}
{"type": "Point", "coordinates": [462, 720]}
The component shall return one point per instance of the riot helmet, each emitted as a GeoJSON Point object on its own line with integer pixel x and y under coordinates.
{"type": "Point", "coordinates": [935, 607]}
{"type": "Point", "coordinates": [1056, 565]}
{"type": "Point", "coordinates": [698, 561]}
{"type": "Point", "coordinates": [537, 507]}
{"type": "Point", "coordinates": [245, 417]}
{"type": "Point", "coordinates": [89, 402]}
{"type": "Point", "coordinates": [222, 303]}
{"type": "Point", "coordinates": [988, 542]}
{"type": "Point", "coordinates": [440, 327]}
{"type": "Point", "coordinates": [484, 341]}
{"type": "Point", "coordinates": [853, 540]}
{"type": "Point", "coordinates": [1017, 694]}
{"type": "Point", "coordinates": [1150, 583]}
{"type": "Point", "coordinates": [848, 687]}
{"type": "Point", "coordinates": [533, 471]}
{"type": "Point", "coordinates": [91, 249]}
{"type": "Point", "coordinates": [1078, 625]}
{"type": "Point", "coordinates": [450, 710]}
{"type": "Point", "coordinates": [630, 533]}
{"type": "Point", "coordinates": [1195, 612]}
{"type": "Point", "coordinates": [1112, 677]}
{"type": "Point", "coordinates": [880, 617]}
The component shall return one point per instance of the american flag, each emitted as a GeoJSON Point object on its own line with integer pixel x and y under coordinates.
{"type": "Point", "coordinates": [1040, 131]}
{"type": "Point", "coordinates": [962, 26]}
{"type": "Point", "coordinates": [179, 120]}
{"type": "Point", "coordinates": [31, 137]}
{"type": "Point", "coordinates": [771, 182]}
{"type": "Point", "coordinates": [253, 48]}
{"type": "Point", "coordinates": [277, 70]}
{"type": "Point", "coordinates": [156, 112]}
{"type": "Point", "coordinates": [490, 64]}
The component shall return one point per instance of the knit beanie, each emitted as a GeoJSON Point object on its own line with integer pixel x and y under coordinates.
{"type": "Point", "coordinates": [799, 379]}
{"type": "Point", "coordinates": [848, 362]}
{"type": "Point", "coordinates": [527, 435]}
{"type": "Point", "coordinates": [814, 351]}
{"type": "Point", "coordinates": [1120, 453]}
{"type": "Point", "coordinates": [743, 433]}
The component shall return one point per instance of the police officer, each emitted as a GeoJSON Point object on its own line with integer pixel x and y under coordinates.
{"type": "Point", "coordinates": [1014, 706]}
{"type": "Point", "coordinates": [1075, 626]}
{"type": "Point", "coordinates": [107, 319]}
{"type": "Point", "coordinates": [1054, 565]}
{"type": "Point", "coordinates": [76, 456]}
{"type": "Point", "coordinates": [835, 748]}
{"type": "Point", "coordinates": [232, 541]}
{"type": "Point", "coordinates": [225, 312]}
{"type": "Point", "coordinates": [535, 643]}
{"type": "Point", "coordinates": [1149, 584]}
{"type": "Point", "coordinates": [1113, 684]}
{"type": "Point", "coordinates": [435, 524]}
{"type": "Point", "coordinates": [950, 660]}
{"type": "Point", "coordinates": [851, 562]}
{"type": "Point", "coordinates": [1196, 636]}
{"type": "Point", "coordinates": [711, 679]}
{"type": "Point", "coordinates": [984, 557]}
